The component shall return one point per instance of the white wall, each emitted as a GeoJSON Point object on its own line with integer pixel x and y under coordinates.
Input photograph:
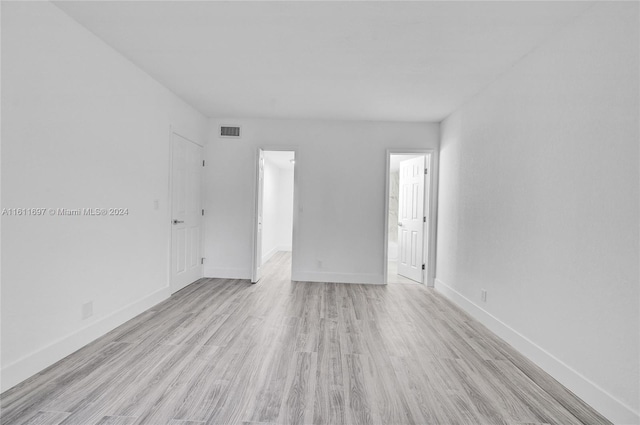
{"type": "Point", "coordinates": [269, 210]}
{"type": "Point", "coordinates": [277, 209]}
{"type": "Point", "coordinates": [539, 205]}
{"type": "Point", "coordinates": [82, 127]}
{"type": "Point", "coordinates": [340, 187]}
{"type": "Point", "coordinates": [394, 207]}
{"type": "Point", "coordinates": [285, 210]}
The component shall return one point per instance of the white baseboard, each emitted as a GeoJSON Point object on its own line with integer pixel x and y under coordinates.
{"type": "Point", "coordinates": [366, 278]}
{"type": "Point", "coordinates": [29, 365]}
{"type": "Point", "coordinates": [605, 403]}
{"type": "Point", "coordinates": [213, 272]}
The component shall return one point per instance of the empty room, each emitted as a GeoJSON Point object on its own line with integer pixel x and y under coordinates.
{"type": "Point", "coordinates": [309, 212]}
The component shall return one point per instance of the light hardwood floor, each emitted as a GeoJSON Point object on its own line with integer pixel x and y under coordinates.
{"type": "Point", "coordinates": [228, 352]}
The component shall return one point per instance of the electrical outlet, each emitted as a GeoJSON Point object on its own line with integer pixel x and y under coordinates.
{"type": "Point", "coordinates": [156, 204]}
{"type": "Point", "coordinates": [87, 310]}
{"type": "Point", "coordinates": [319, 264]}
{"type": "Point", "coordinates": [483, 295]}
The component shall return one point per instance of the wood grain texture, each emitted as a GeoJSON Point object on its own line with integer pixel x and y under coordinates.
{"type": "Point", "coordinates": [223, 351]}
{"type": "Point", "coordinates": [48, 418]}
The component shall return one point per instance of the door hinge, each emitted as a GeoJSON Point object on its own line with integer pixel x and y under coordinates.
{"type": "Point", "coordinates": [203, 212]}
{"type": "Point", "coordinates": [423, 267]}
{"type": "Point", "coordinates": [203, 162]}
{"type": "Point", "coordinates": [426, 170]}
{"type": "Point", "coordinates": [202, 261]}
{"type": "Point", "coordinates": [424, 219]}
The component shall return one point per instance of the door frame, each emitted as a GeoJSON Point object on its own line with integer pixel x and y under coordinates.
{"type": "Point", "coordinates": [429, 242]}
{"type": "Point", "coordinates": [169, 214]}
{"type": "Point", "coordinates": [256, 182]}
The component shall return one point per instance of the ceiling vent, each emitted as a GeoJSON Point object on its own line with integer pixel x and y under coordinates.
{"type": "Point", "coordinates": [228, 131]}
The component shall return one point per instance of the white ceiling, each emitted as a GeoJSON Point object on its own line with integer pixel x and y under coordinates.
{"type": "Point", "coordinates": [396, 61]}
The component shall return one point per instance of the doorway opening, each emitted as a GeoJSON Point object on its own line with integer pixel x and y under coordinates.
{"type": "Point", "coordinates": [274, 207]}
{"type": "Point", "coordinates": [408, 217]}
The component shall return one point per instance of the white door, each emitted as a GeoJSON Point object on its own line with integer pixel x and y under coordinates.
{"type": "Point", "coordinates": [186, 213]}
{"type": "Point", "coordinates": [411, 218]}
{"type": "Point", "coordinates": [257, 254]}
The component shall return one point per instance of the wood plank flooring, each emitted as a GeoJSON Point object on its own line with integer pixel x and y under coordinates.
{"type": "Point", "coordinates": [280, 352]}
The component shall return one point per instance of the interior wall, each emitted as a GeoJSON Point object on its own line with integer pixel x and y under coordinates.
{"type": "Point", "coordinates": [539, 205]}
{"type": "Point", "coordinates": [394, 205]}
{"type": "Point", "coordinates": [82, 127]}
{"type": "Point", "coordinates": [285, 210]}
{"type": "Point", "coordinates": [340, 185]}
{"type": "Point", "coordinates": [269, 210]}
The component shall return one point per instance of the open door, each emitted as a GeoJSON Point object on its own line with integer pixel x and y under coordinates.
{"type": "Point", "coordinates": [411, 218]}
{"type": "Point", "coordinates": [257, 251]}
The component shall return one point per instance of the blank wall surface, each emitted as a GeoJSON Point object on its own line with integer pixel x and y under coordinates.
{"type": "Point", "coordinates": [82, 128]}
{"type": "Point", "coordinates": [269, 210]}
{"type": "Point", "coordinates": [285, 210]}
{"type": "Point", "coordinates": [539, 204]}
{"type": "Point", "coordinates": [340, 185]}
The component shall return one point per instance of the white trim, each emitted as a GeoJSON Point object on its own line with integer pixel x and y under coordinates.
{"type": "Point", "coordinates": [364, 278]}
{"type": "Point", "coordinates": [256, 201]}
{"type": "Point", "coordinates": [218, 273]}
{"type": "Point", "coordinates": [32, 363]}
{"type": "Point", "coordinates": [605, 403]}
{"type": "Point", "coordinates": [169, 207]}
{"type": "Point", "coordinates": [430, 240]}
{"type": "Point", "coordinates": [385, 246]}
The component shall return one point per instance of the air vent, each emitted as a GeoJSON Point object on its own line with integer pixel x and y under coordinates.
{"type": "Point", "coordinates": [227, 131]}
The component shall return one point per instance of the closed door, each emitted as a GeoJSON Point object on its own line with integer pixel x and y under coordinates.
{"type": "Point", "coordinates": [186, 213]}
{"type": "Point", "coordinates": [411, 219]}
{"type": "Point", "coordinates": [257, 253]}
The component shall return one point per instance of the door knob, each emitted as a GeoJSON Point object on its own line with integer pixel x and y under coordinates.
{"type": "Point", "coordinates": [400, 224]}
{"type": "Point", "coordinates": [177, 221]}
